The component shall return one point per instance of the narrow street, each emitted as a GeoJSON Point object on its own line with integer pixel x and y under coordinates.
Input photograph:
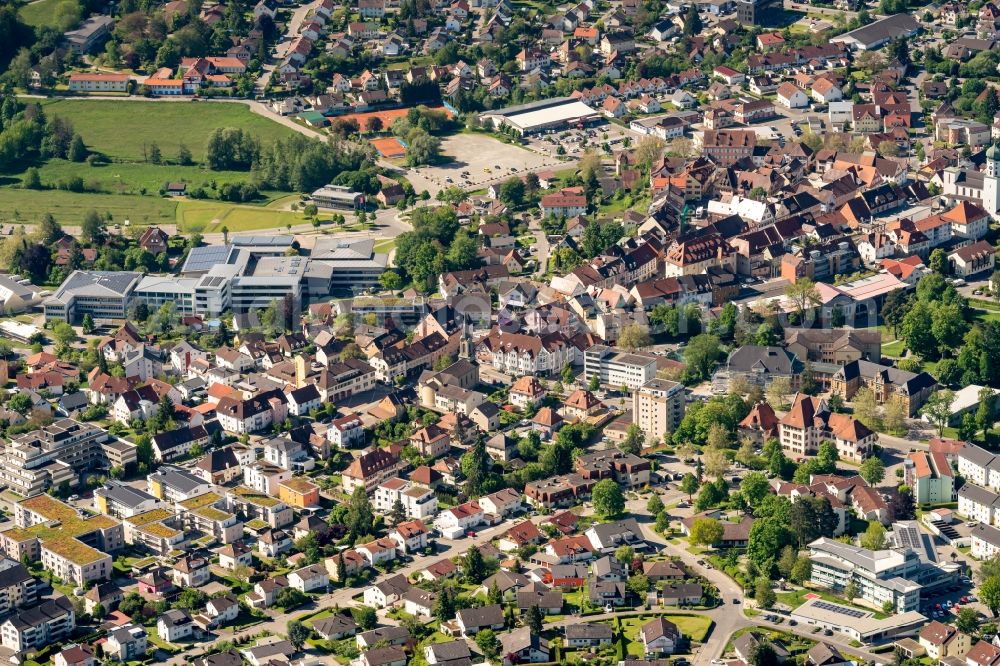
{"type": "Point", "coordinates": [291, 30]}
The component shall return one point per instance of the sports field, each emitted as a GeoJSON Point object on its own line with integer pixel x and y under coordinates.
{"type": "Point", "coordinates": [388, 116]}
{"type": "Point", "coordinates": [389, 147]}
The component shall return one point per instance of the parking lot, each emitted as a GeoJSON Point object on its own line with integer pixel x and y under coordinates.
{"type": "Point", "coordinates": [477, 161]}
{"type": "Point", "coordinates": [577, 141]}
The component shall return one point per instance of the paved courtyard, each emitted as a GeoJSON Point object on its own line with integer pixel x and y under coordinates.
{"type": "Point", "coordinates": [486, 160]}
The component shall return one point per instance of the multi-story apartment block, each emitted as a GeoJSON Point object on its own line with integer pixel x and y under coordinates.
{"type": "Point", "coordinates": [418, 502]}
{"type": "Point", "coordinates": [210, 514]}
{"type": "Point", "coordinates": [49, 622]}
{"type": "Point", "coordinates": [930, 477]}
{"type": "Point", "coordinates": [658, 407]}
{"type": "Point", "coordinates": [626, 469]}
{"type": "Point", "coordinates": [172, 484]}
{"type": "Point", "coordinates": [121, 500]}
{"type": "Point", "coordinates": [255, 505]}
{"type": "Point", "coordinates": [158, 530]}
{"type": "Point", "coordinates": [617, 368]}
{"type": "Point", "coordinates": [17, 586]}
{"type": "Point", "coordinates": [264, 477]}
{"type": "Point", "coordinates": [70, 544]}
{"type": "Point", "coordinates": [74, 561]}
{"type": "Point", "coordinates": [52, 455]}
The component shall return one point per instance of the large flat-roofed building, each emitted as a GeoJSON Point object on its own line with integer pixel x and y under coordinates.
{"type": "Point", "coordinates": [338, 197]}
{"type": "Point", "coordinates": [860, 625]}
{"type": "Point", "coordinates": [354, 263]}
{"type": "Point", "coordinates": [658, 407]}
{"type": "Point", "coordinates": [896, 575]}
{"type": "Point", "coordinates": [158, 290]}
{"type": "Point", "coordinates": [619, 368]}
{"type": "Point", "coordinates": [549, 114]}
{"type": "Point", "coordinates": [105, 296]}
{"type": "Point", "coordinates": [879, 33]}
{"type": "Point", "coordinates": [90, 35]}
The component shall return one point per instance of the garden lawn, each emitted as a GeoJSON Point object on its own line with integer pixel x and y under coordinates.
{"type": "Point", "coordinates": [28, 206]}
{"type": "Point", "coordinates": [121, 130]}
{"type": "Point", "coordinates": [894, 349]}
{"type": "Point", "coordinates": [40, 14]}
{"type": "Point", "coordinates": [695, 627]}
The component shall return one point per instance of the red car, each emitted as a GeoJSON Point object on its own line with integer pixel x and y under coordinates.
{"type": "Point", "coordinates": [937, 606]}
{"type": "Point", "coordinates": [470, 534]}
{"type": "Point", "coordinates": [964, 600]}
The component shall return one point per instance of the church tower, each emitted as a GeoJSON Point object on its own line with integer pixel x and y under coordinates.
{"type": "Point", "coordinates": [465, 344]}
{"type": "Point", "coordinates": [991, 181]}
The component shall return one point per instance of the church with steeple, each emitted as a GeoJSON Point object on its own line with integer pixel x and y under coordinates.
{"type": "Point", "coordinates": [964, 184]}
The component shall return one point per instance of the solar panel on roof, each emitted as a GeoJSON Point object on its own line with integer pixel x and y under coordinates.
{"type": "Point", "coordinates": [842, 610]}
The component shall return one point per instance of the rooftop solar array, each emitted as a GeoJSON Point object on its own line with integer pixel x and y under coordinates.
{"type": "Point", "coordinates": [835, 608]}
{"type": "Point", "coordinates": [202, 259]}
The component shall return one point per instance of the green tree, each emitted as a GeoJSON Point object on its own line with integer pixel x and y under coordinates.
{"type": "Point", "coordinates": [692, 22]}
{"type": "Point", "coordinates": [474, 567]}
{"type": "Point", "coordinates": [754, 487]}
{"type": "Point", "coordinates": [534, 620]}
{"type": "Point", "coordinates": [763, 593]}
{"type": "Point", "coordinates": [359, 518]}
{"type": "Point", "coordinates": [968, 621]}
{"type": "Point", "coordinates": [802, 570]}
{"type": "Point", "coordinates": [367, 618]}
{"type": "Point", "coordinates": [298, 634]}
{"type": "Point", "coordinates": [689, 485]}
{"type": "Point", "coordinates": [706, 532]}
{"type": "Point", "coordinates": [476, 466]}
{"type": "Point", "coordinates": [488, 643]}
{"type": "Point", "coordinates": [634, 337]}
{"type": "Point", "coordinates": [444, 605]}
{"type": "Point", "coordinates": [872, 470]}
{"type": "Point", "coordinates": [654, 505]}
{"type": "Point", "coordinates": [701, 354]}
{"type": "Point", "coordinates": [595, 383]}
{"type": "Point", "coordinates": [638, 584]}
{"type": "Point", "coordinates": [633, 441]}
{"type": "Point", "coordinates": [989, 594]}
{"type": "Point", "coordinates": [607, 499]}
{"type": "Point", "coordinates": [874, 536]}
{"type": "Point", "coordinates": [77, 149]}
{"type": "Point", "coordinates": [937, 408]}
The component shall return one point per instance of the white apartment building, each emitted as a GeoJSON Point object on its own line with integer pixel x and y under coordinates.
{"type": "Point", "coordinates": [265, 477]}
{"type": "Point", "coordinates": [36, 627]}
{"type": "Point", "coordinates": [418, 502]}
{"type": "Point", "coordinates": [616, 368]}
{"type": "Point", "coordinates": [658, 407]}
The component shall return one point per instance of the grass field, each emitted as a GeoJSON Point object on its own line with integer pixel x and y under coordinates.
{"type": "Point", "coordinates": [139, 178]}
{"type": "Point", "coordinates": [211, 216]}
{"type": "Point", "coordinates": [28, 206]}
{"type": "Point", "coordinates": [120, 130]}
{"type": "Point", "coordinates": [40, 14]}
